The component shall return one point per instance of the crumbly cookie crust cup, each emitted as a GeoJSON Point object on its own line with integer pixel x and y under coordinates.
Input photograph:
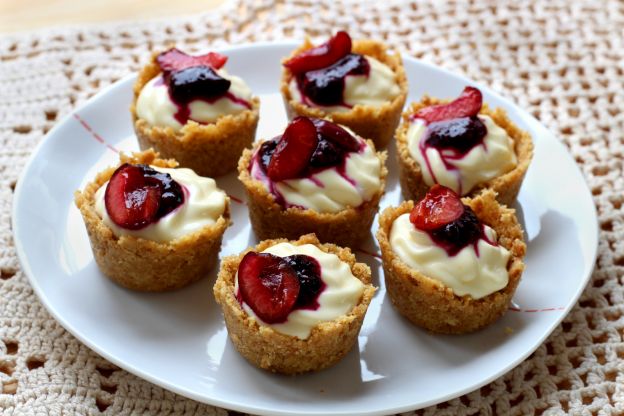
{"type": "Point", "coordinates": [506, 186]}
{"type": "Point", "coordinates": [375, 123]}
{"type": "Point", "coordinates": [145, 265]}
{"type": "Point", "coordinates": [209, 149]}
{"type": "Point", "coordinates": [270, 220]}
{"type": "Point", "coordinates": [430, 304]}
{"type": "Point", "coordinates": [268, 349]}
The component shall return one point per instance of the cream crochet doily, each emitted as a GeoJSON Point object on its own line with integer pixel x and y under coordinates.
{"type": "Point", "coordinates": [561, 60]}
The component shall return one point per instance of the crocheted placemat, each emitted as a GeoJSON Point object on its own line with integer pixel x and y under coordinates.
{"type": "Point", "coordinates": [562, 61]}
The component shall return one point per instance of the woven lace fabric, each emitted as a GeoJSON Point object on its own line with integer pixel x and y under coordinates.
{"type": "Point", "coordinates": [562, 61]}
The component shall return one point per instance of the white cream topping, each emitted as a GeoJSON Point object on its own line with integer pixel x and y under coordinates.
{"type": "Point", "coordinates": [328, 190]}
{"type": "Point", "coordinates": [155, 106]}
{"type": "Point", "coordinates": [494, 157]}
{"type": "Point", "coordinates": [379, 87]}
{"type": "Point", "coordinates": [203, 204]}
{"type": "Point", "coordinates": [341, 293]}
{"type": "Point", "coordinates": [470, 272]}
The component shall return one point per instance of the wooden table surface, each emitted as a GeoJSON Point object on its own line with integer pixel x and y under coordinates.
{"type": "Point", "coordinates": [25, 15]}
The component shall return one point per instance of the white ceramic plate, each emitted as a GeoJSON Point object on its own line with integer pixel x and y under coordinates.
{"type": "Point", "coordinates": [178, 340]}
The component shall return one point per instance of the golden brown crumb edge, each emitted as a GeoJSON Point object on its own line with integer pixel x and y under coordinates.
{"type": "Point", "coordinates": [430, 304]}
{"type": "Point", "coordinates": [268, 349]}
{"type": "Point", "coordinates": [270, 220]}
{"type": "Point", "coordinates": [209, 149]}
{"type": "Point", "coordinates": [145, 265]}
{"type": "Point", "coordinates": [506, 186]}
{"type": "Point", "coordinates": [376, 123]}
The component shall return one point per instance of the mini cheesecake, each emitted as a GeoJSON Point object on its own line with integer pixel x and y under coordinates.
{"type": "Point", "coordinates": [190, 109]}
{"type": "Point", "coordinates": [293, 306]}
{"type": "Point", "coordinates": [451, 266]}
{"type": "Point", "coordinates": [316, 177]}
{"type": "Point", "coordinates": [356, 84]}
{"type": "Point", "coordinates": [153, 226]}
{"type": "Point", "coordinates": [463, 145]}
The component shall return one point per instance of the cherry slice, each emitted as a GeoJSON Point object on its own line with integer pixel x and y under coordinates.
{"type": "Point", "coordinates": [176, 60]}
{"type": "Point", "coordinates": [268, 285]}
{"type": "Point", "coordinates": [293, 151]}
{"type": "Point", "coordinates": [466, 105]}
{"type": "Point", "coordinates": [131, 202]}
{"type": "Point", "coordinates": [439, 207]}
{"type": "Point", "coordinates": [337, 135]}
{"type": "Point", "coordinates": [321, 56]}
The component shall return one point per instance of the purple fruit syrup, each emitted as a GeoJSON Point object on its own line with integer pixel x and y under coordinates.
{"type": "Point", "coordinates": [172, 193]}
{"type": "Point", "coordinates": [326, 86]}
{"type": "Point", "coordinates": [453, 139]}
{"type": "Point", "coordinates": [197, 83]}
{"type": "Point", "coordinates": [462, 232]}
{"type": "Point", "coordinates": [311, 286]}
{"type": "Point", "coordinates": [334, 146]}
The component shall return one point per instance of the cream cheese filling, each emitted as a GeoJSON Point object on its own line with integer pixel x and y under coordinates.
{"type": "Point", "coordinates": [342, 291]}
{"type": "Point", "coordinates": [476, 270]}
{"type": "Point", "coordinates": [155, 106]}
{"type": "Point", "coordinates": [494, 157]}
{"type": "Point", "coordinates": [376, 89]}
{"type": "Point", "coordinates": [332, 189]}
{"type": "Point", "coordinates": [203, 204]}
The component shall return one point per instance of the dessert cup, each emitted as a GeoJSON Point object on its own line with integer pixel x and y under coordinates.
{"type": "Point", "coordinates": [265, 347]}
{"type": "Point", "coordinates": [430, 304]}
{"type": "Point", "coordinates": [269, 219]}
{"type": "Point", "coordinates": [376, 123]}
{"type": "Point", "coordinates": [145, 265]}
{"type": "Point", "coordinates": [210, 149]}
{"type": "Point", "coordinates": [505, 186]}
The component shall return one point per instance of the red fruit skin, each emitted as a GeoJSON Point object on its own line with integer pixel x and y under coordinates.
{"type": "Point", "coordinates": [321, 56]}
{"type": "Point", "coordinates": [130, 201]}
{"type": "Point", "coordinates": [466, 105]}
{"type": "Point", "coordinates": [293, 152]}
{"type": "Point", "coordinates": [439, 207]}
{"type": "Point", "coordinates": [336, 134]}
{"type": "Point", "coordinates": [176, 60]}
{"type": "Point", "coordinates": [268, 285]}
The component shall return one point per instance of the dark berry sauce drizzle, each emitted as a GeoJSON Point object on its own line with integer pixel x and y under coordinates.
{"type": "Point", "coordinates": [327, 155]}
{"type": "Point", "coordinates": [325, 87]}
{"type": "Point", "coordinates": [197, 83]}
{"type": "Point", "coordinates": [173, 193]}
{"type": "Point", "coordinates": [464, 231]}
{"type": "Point", "coordinates": [311, 285]}
{"type": "Point", "coordinates": [453, 139]}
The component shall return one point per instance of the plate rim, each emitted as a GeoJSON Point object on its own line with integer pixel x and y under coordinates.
{"type": "Point", "coordinates": [216, 401]}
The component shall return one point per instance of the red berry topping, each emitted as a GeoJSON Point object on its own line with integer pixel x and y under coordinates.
{"type": "Point", "coordinates": [326, 86]}
{"type": "Point", "coordinates": [321, 56]}
{"type": "Point", "coordinates": [196, 82]}
{"type": "Point", "coordinates": [308, 272]}
{"type": "Point", "coordinates": [138, 195]}
{"type": "Point", "coordinates": [269, 285]}
{"type": "Point", "coordinates": [455, 235]}
{"type": "Point", "coordinates": [293, 151]}
{"type": "Point", "coordinates": [176, 60]}
{"type": "Point", "coordinates": [461, 134]}
{"type": "Point", "coordinates": [336, 134]}
{"type": "Point", "coordinates": [439, 207]}
{"type": "Point", "coordinates": [466, 105]}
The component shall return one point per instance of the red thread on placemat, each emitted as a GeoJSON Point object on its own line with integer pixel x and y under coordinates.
{"type": "Point", "coordinates": [511, 308]}
{"type": "Point", "coordinates": [368, 253]}
{"type": "Point", "coordinates": [235, 199]}
{"type": "Point", "coordinates": [96, 136]}
{"type": "Point", "coordinates": [514, 309]}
